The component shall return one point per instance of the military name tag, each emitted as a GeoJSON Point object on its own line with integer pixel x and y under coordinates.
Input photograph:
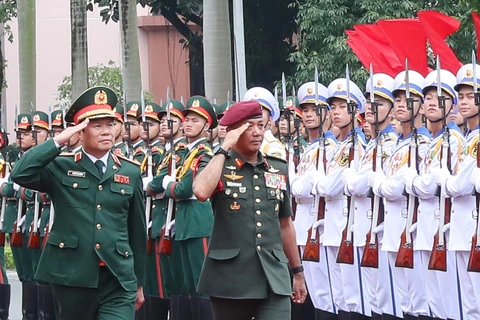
{"type": "Point", "coordinates": [234, 184]}
{"type": "Point", "coordinates": [121, 179]}
{"type": "Point", "coordinates": [78, 174]}
{"type": "Point", "coordinates": [274, 180]}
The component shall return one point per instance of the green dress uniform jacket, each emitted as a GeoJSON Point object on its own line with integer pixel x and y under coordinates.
{"type": "Point", "coordinates": [120, 149]}
{"type": "Point", "coordinates": [245, 256]}
{"type": "Point", "coordinates": [98, 218]}
{"type": "Point", "coordinates": [193, 219]}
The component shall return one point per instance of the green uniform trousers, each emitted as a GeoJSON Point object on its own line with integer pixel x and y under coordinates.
{"type": "Point", "coordinates": [151, 280]}
{"type": "Point", "coordinates": [172, 271]}
{"type": "Point", "coordinates": [107, 302]}
{"type": "Point", "coordinates": [192, 255]}
{"type": "Point", "coordinates": [275, 307]}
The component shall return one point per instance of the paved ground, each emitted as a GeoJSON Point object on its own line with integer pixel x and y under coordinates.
{"type": "Point", "coordinates": [16, 299]}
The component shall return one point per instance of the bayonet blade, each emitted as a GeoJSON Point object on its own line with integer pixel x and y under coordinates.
{"type": "Point", "coordinates": [284, 89]}
{"type": "Point", "coordinates": [63, 116]}
{"type": "Point", "coordinates": [16, 116]}
{"type": "Point", "coordinates": [49, 116]}
{"type": "Point", "coordinates": [439, 82]}
{"type": "Point", "coordinates": [407, 80]}
{"type": "Point", "coordinates": [142, 101]}
{"type": "Point", "coordinates": [167, 106]}
{"type": "Point", "coordinates": [372, 83]}
{"type": "Point", "coordinates": [276, 94]}
{"type": "Point", "coordinates": [347, 76]}
{"type": "Point", "coordinates": [316, 85]}
{"type": "Point", "coordinates": [474, 66]}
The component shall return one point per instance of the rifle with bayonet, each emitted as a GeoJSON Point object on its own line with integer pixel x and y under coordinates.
{"type": "Point", "coordinates": [149, 173]}
{"type": "Point", "coordinates": [17, 240]}
{"type": "Point", "coordinates": [52, 209]}
{"type": "Point", "coordinates": [345, 252]}
{"type": "Point", "coordinates": [405, 251]}
{"type": "Point", "coordinates": [128, 144]}
{"type": "Point", "coordinates": [370, 252]}
{"type": "Point", "coordinates": [34, 237]}
{"type": "Point", "coordinates": [474, 258]}
{"type": "Point", "coordinates": [438, 258]}
{"type": "Point", "coordinates": [312, 247]}
{"type": "Point", "coordinates": [166, 239]}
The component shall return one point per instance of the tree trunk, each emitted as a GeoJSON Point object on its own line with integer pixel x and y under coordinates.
{"type": "Point", "coordinates": [27, 53]}
{"type": "Point", "coordinates": [217, 49]}
{"type": "Point", "coordinates": [79, 58]}
{"type": "Point", "coordinates": [131, 74]}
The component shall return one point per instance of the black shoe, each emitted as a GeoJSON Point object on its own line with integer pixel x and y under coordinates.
{"type": "Point", "coordinates": [4, 301]}
{"type": "Point", "coordinates": [204, 309]}
{"type": "Point", "coordinates": [376, 316]}
{"type": "Point", "coordinates": [159, 308]}
{"type": "Point", "coordinates": [358, 316]}
{"type": "Point", "coordinates": [407, 316]}
{"type": "Point", "coordinates": [325, 315]}
{"type": "Point", "coordinates": [343, 315]}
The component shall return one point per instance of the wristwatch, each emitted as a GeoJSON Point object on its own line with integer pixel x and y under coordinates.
{"type": "Point", "coordinates": [297, 269]}
{"type": "Point", "coordinates": [222, 151]}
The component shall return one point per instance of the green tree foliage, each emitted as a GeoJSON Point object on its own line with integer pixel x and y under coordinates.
{"type": "Point", "coordinates": [108, 75]}
{"type": "Point", "coordinates": [322, 39]}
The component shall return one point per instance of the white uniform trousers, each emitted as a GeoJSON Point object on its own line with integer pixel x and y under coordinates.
{"type": "Point", "coordinates": [345, 282]}
{"type": "Point", "coordinates": [318, 281]}
{"type": "Point", "coordinates": [470, 287]}
{"type": "Point", "coordinates": [379, 294]}
{"type": "Point", "coordinates": [442, 287]}
{"type": "Point", "coordinates": [410, 286]}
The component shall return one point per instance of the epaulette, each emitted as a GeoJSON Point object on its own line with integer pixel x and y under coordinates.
{"type": "Point", "coordinates": [139, 149]}
{"type": "Point", "coordinates": [129, 160]}
{"type": "Point", "coordinates": [67, 154]}
{"type": "Point", "coordinates": [421, 139]}
{"type": "Point", "coordinates": [154, 148]}
{"type": "Point", "coordinates": [275, 155]}
{"type": "Point", "coordinates": [203, 146]}
{"type": "Point", "coordinates": [180, 145]}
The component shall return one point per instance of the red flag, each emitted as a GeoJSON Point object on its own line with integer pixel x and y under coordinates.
{"type": "Point", "coordinates": [379, 48]}
{"type": "Point", "coordinates": [476, 23]}
{"type": "Point", "coordinates": [358, 47]}
{"type": "Point", "coordinates": [408, 40]}
{"type": "Point", "coordinates": [438, 27]}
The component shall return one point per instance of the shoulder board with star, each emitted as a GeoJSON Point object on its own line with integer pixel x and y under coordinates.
{"type": "Point", "coordinates": [422, 139]}
{"type": "Point", "coordinates": [204, 147]}
{"type": "Point", "coordinates": [180, 145]}
{"type": "Point", "coordinates": [386, 137]}
{"type": "Point", "coordinates": [129, 160]}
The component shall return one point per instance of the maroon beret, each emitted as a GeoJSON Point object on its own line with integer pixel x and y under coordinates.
{"type": "Point", "coordinates": [241, 111]}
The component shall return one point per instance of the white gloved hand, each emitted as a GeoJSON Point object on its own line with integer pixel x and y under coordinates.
{"type": "Point", "coordinates": [378, 230]}
{"type": "Point", "coordinates": [166, 181]}
{"type": "Point", "coordinates": [347, 174]}
{"type": "Point", "coordinates": [413, 228]}
{"type": "Point", "coordinates": [375, 180]}
{"type": "Point", "coordinates": [409, 174]}
{"type": "Point", "coordinates": [16, 187]}
{"type": "Point", "coordinates": [446, 228]}
{"type": "Point", "coordinates": [475, 178]}
{"type": "Point", "coordinates": [440, 176]}
{"type": "Point", "coordinates": [145, 182]}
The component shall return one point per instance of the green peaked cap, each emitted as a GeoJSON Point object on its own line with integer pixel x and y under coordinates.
{"type": "Point", "coordinates": [93, 103]}
{"type": "Point", "coordinates": [201, 106]}
{"type": "Point", "coordinates": [176, 109]}
{"type": "Point", "coordinates": [40, 119]}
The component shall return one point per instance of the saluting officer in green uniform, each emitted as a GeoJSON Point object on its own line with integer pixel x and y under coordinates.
{"type": "Point", "coordinates": [253, 239]}
{"type": "Point", "coordinates": [169, 267]}
{"type": "Point", "coordinates": [193, 219]}
{"type": "Point", "coordinates": [95, 253]}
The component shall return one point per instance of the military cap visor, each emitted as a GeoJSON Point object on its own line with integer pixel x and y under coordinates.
{"type": "Point", "coordinates": [24, 121]}
{"type": "Point", "coordinates": [176, 109]}
{"type": "Point", "coordinates": [93, 103]}
{"type": "Point", "coordinates": [40, 120]}
{"type": "Point", "coordinates": [57, 120]}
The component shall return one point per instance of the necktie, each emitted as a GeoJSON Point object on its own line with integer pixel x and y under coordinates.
{"type": "Point", "coordinates": [99, 165]}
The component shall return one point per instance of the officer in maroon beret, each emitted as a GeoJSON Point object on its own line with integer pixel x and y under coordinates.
{"type": "Point", "coordinates": [253, 227]}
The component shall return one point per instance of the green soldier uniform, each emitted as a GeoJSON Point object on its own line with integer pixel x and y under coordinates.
{"type": "Point", "coordinates": [219, 111]}
{"type": "Point", "coordinates": [96, 248]}
{"type": "Point", "coordinates": [246, 269]}
{"type": "Point", "coordinates": [169, 267]}
{"type": "Point", "coordinates": [133, 110]}
{"type": "Point", "coordinates": [193, 219]}
{"type": "Point", "coordinates": [119, 148]}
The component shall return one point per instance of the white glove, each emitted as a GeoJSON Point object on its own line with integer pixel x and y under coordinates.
{"type": "Point", "coordinates": [352, 228]}
{"type": "Point", "coordinates": [475, 178]}
{"type": "Point", "coordinates": [145, 182]}
{"type": "Point", "coordinates": [378, 230]}
{"type": "Point", "coordinates": [375, 180]}
{"type": "Point", "coordinates": [166, 180]}
{"type": "Point", "coordinates": [413, 228]}
{"type": "Point", "coordinates": [446, 228]}
{"type": "Point", "coordinates": [440, 176]}
{"type": "Point", "coordinates": [409, 174]}
{"type": "Point", "coordinates": [16, 187]}
{"type": "Point", "coordinates": [347, 174]}
{"type": "Point", "coordinates": [348, 178]}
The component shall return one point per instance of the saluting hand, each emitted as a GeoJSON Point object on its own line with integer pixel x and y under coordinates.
{"type": "Point", "coordinates": [66, 134]}
{"type": "Point", "coordinates": [233, 135]}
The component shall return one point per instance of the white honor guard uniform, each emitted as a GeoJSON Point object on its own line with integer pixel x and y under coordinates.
{"type": "Point", "coordinates": [271, 145]}
{"type": "Point", "coordinates": [378, 295]}
{"type": "Point", "coordinates": [464, 210]}
{"type": "Point", "coordinates": [345, 279]}
{"type": "Point", "coordinates": [408, 282]}
{"type": "Point", "coordinates": [446, 304]}
{"type": "Point", "coordinates": [316, 273]}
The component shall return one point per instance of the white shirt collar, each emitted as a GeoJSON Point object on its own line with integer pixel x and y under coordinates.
{"type": "Point", "coordinates": [94, 159]}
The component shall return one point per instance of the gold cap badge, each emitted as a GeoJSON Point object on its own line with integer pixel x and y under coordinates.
{"type": "Point", "coordinates": [134, 107]}
{"type": "Point", "coordinates": [36, 117]}
{"type": "Point", "coordinates": [24, 120]}
{"type": "Point", "coordinates": [196, 103]}
{"type": "Point", "coordinates": [309, 90]}
{"type": "Point", "coordinates": [101, 97]}
{"type": "Point", "coordinates": [149, 108]}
